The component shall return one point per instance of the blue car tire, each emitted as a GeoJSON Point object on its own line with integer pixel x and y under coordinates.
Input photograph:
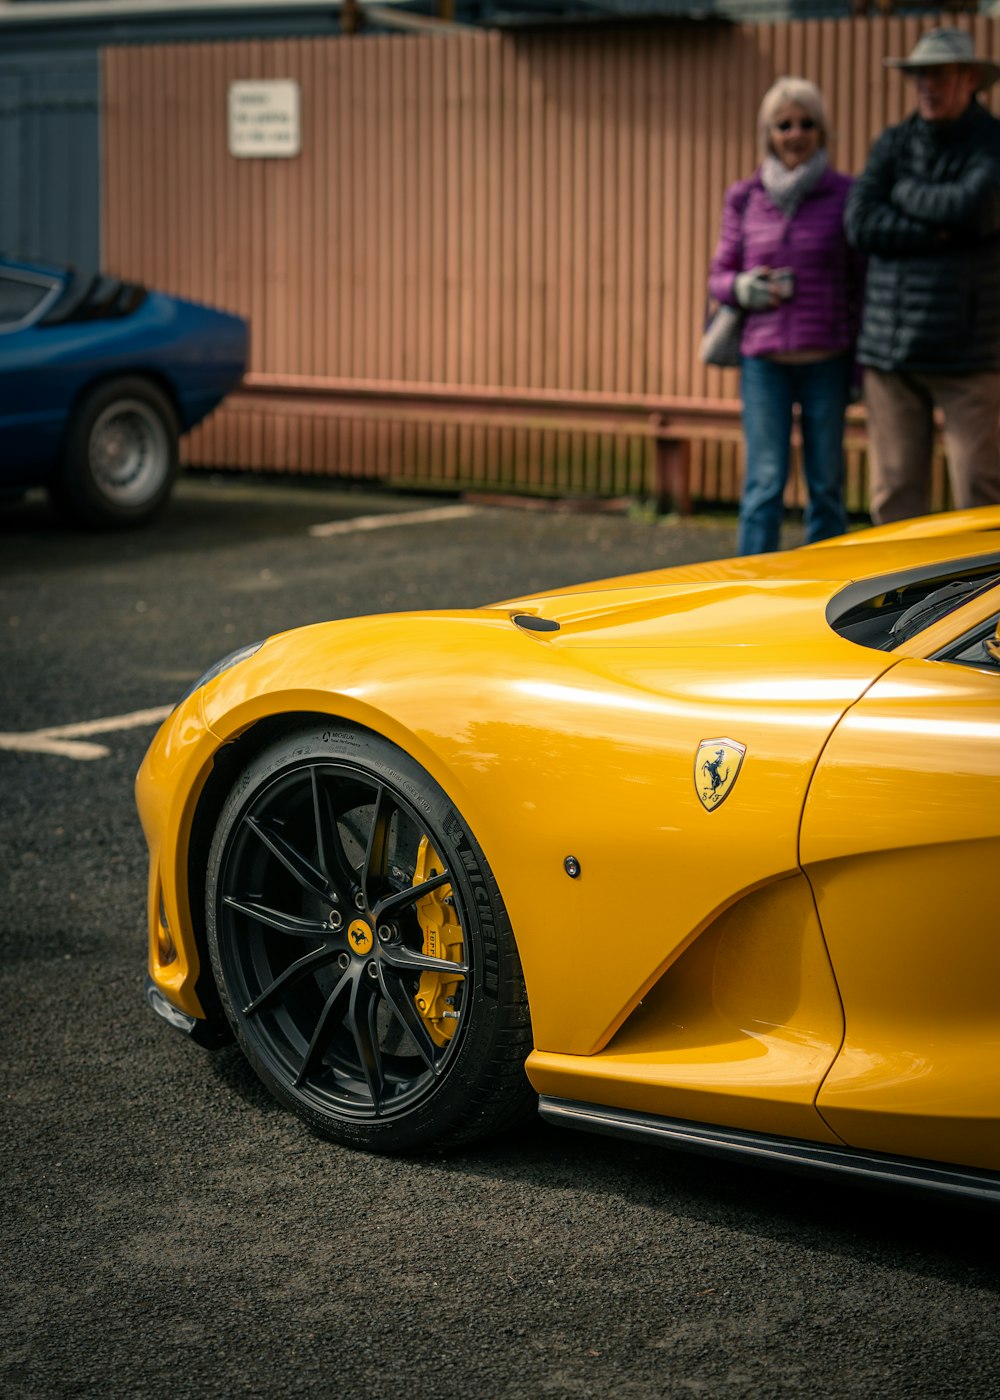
{"type": "Point", "coordinates": [120, 457]}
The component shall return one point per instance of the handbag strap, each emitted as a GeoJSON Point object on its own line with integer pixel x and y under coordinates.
{"type": "Point", "coordinates": [712, 306]}
{"type": "Point", "coordinates": [743, 214]}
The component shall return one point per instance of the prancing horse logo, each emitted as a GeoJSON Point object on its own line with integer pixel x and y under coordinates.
{"type": "Point", "coordinates": [360, 937]}
{"type": "Point", "coordinates": [716, 766]}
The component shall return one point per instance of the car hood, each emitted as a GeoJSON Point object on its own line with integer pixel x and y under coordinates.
{"type": "Point", "coordinates": [717, 614]}
{"type": "Point", "coordinates": [747, 633]}
{"type": "Point", "coordinates": [761, 601]}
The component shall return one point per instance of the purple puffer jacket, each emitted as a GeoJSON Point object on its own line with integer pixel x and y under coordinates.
{"type": "Point", "coordinates": [829, 276]}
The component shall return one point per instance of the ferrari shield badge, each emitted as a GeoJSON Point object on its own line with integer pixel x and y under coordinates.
{"type": "Point", "coordinates": [716, 768]}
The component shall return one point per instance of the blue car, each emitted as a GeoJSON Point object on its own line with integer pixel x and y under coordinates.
{"type": "Point", "coordinates": [98, 380]}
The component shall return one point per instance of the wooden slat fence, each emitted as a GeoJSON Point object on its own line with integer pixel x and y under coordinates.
{"type": "Point", "coordinates": [531, 211]}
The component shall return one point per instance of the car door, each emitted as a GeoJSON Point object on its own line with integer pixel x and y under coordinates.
{"type": "Point", "coordinates": [901, 843]}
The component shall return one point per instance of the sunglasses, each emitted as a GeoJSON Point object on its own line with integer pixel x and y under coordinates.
{"type": "Point", "coordinates": [806, 124]}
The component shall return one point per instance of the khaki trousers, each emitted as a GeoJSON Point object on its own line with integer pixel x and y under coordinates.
{"type": "Point", "coordinates": [901, 437]}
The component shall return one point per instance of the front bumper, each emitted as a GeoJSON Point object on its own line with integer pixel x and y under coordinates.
{"type": "Point", "coordinates": [208, 1034]}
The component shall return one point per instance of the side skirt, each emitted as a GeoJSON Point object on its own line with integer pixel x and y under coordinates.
{"type": "Point", "coordinates": [789, 1154]}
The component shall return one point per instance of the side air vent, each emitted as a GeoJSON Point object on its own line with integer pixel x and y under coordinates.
{"type": "Point", "coordinates": [91, 297]}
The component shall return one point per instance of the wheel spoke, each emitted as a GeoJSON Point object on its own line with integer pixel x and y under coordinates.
{"type": "Point", "coordinates": [375, 875]}
{"type": "Point", "coordinates": [403, 959]}
{"type": "Point", "coordinates": [333, 862]}
{"type": "Point", "coordinates": [276, 919]}
{"type": "Point", "coordinates": [410, 895]}
{"type": "Point", "coordinates": [407, 1014]}
{"type": "Point", "coordinates": [361, 1023]}
{"type": "Point", "coordinates": [321, 1035]}
{"type": "Point", "coordinates": [295, 971]}
{"type": "Point", "coordinates": [293, 860]}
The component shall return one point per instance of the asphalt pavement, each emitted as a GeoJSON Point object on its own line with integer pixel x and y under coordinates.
{"type": "Point", "coordinates": [166, 1229]}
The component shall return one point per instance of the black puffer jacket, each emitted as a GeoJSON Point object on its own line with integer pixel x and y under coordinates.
{"type": "Point", "coordinates": [927, 210]}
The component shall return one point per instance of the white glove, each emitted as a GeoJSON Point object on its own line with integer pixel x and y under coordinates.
{"type": "Point", "coordinates": [753, 290]}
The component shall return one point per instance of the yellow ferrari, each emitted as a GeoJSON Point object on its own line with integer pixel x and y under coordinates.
{"type": "Point", "coordinates": [706, 856]}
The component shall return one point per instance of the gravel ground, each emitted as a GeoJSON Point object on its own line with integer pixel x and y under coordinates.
{"type": "Point", "coordinates": [167, 1229]}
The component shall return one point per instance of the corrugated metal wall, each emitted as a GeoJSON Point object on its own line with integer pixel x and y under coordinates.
{"type": "Point", "coordinates": [531, 210]}
{"type": "Point", "coordinates": [49, 156]}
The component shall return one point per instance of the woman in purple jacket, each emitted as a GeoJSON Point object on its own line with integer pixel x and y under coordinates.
{"type": "Point", "coordinates": [783, 257]}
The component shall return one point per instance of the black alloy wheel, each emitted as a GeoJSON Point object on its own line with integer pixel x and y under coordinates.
{"type": "Point", "coordinates": [361, 948]}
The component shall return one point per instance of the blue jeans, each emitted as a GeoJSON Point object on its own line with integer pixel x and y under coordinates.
{"type": "Point", "coordinates": [770, 390]}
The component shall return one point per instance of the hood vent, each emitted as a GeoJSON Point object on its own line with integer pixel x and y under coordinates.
{"type": "Point", "coordinates": [528, 622]}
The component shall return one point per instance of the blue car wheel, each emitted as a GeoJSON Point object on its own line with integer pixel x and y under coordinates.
{"type": "Point", "coordinates": [119, 458]}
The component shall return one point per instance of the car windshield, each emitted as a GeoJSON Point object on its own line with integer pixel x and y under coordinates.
{"type": "Point", "coordinates": [905, 606]}
{"type": "Point", "coordinates": [19, 297]}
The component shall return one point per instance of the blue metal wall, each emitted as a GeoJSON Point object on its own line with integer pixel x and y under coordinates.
{"type": "Point", "coordinates": [50, 163]}
{"type": "Point", "coordinates": [50, 155]}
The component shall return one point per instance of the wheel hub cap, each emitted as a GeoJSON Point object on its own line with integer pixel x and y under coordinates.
{"type": "Point", "coordinates": [360, 937]}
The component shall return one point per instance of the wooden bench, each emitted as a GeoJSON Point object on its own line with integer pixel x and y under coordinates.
{"type": "Point", "coordinates": [671, 423]}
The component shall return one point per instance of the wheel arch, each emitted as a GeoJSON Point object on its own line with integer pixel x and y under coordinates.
{"type": "Point", "coordinates": [229, 761]}
{"type": "Point", "coordinates": [158, 378]}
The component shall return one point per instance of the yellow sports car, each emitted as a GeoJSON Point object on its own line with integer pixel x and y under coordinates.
{"type": "Point", "coordinates": [705, 856]}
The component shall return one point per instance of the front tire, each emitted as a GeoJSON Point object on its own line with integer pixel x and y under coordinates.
{"type": "Point", "coordinates": [120, 456]}
{"type": "Point", "coordinates": [361, 949]}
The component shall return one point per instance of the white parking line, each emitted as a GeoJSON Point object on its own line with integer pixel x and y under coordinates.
{"type": "Point", "coordinates": [63, 740]}
{"type": "Point", "coordinates": [66, 740]}
{"type": "Point", "coordinates": [396, 517]}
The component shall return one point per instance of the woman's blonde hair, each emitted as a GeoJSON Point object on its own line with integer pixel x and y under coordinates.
{"type": "Point", "coordinates": [804, 94]}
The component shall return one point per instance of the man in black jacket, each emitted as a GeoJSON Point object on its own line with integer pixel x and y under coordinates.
{"type": "Point", "coordinates": [926, 209]}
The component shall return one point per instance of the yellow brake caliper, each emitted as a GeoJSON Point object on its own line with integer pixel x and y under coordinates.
{"type": "Point", "coordinates": [437, 994]}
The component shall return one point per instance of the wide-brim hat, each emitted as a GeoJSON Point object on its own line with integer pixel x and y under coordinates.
{"type": "Point", "coordinates": [940, 46]}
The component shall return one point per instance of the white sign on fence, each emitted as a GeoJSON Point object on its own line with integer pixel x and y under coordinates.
{"type": "Point", "coordinates": [264, 118]}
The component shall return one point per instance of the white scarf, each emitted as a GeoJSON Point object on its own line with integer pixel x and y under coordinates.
{"type": "Point", "coordinates": [788, 188]}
